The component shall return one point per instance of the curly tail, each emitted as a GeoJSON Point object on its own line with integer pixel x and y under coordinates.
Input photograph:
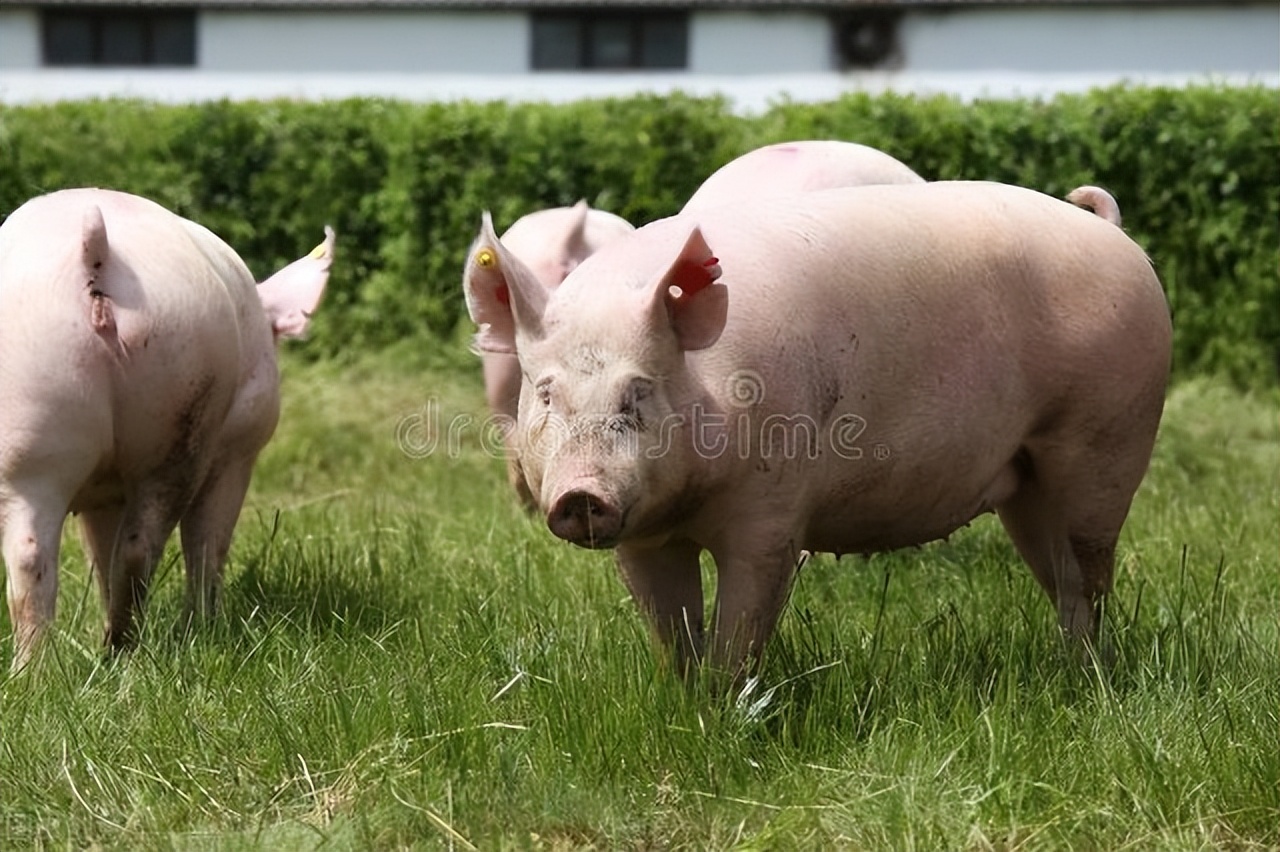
{"type": "Point", "coordinates": [1096, 200]}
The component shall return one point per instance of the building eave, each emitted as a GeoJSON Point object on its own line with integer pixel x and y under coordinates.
{"type": "Point", "coordinates": [690, 5]}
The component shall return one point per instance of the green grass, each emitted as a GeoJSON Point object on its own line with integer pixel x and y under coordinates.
{"type": "Point", "coordinates": [406, 661]}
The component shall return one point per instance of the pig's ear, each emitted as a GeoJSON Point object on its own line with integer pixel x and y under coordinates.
{"type": "Point", "coordinates": [503, 295]}
{"type": "Point", "coordinates": [575, 239]}
{"type": "Point", "coordinates": [290, 296]}
{"type": "Point", "coordinates": [687, 294]}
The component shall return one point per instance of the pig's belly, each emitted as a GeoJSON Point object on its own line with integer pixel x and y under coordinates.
{"type": "Point", "coordinates": [860, 517]}
{"type": "Point", "coordinates": [104, 488]}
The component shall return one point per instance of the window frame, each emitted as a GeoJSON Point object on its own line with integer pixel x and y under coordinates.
{"type": "Point", "coordinates": [587, 21]}
{"type": "Point", "coordinates": [97, 18]}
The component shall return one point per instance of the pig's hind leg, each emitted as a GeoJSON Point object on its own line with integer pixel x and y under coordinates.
{"type": "Point", "coordinates": [1034, 522]}
{"type": "Point", "coordinates": [207, 528]}
{"type": "Point", "coordinates": [126, 543]}
{"type": "Point", "coordinates": [98, 530]}
{"type": "Point", "coordinates": [32, 532]}
{"type": "Point", "coordinates": [1065, 519]}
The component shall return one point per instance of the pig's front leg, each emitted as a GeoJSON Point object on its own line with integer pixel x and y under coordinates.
{"type": "Point", "coordinates": [666, 583]}
{"type": "Point", "coordinates": [753, 576]}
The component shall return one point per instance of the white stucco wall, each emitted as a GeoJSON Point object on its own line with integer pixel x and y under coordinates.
{"type": "Point", "coordinates": [381, 41]}
{"type": "Point", "coordinates": [753, 42]}
{"type": "Point", "coordinates": [1230, 39]}
{"type": "Point", "coordinates": [19, 38]}
{"type": "Point", "coordinates": [751, 57]}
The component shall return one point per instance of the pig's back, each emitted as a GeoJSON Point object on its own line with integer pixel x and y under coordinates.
{"type": "Point", "coordinates": [924, 329]}
{"type": "Point", "coordinates": [797, 167]}
{"type": "Point", "coordinates": [925, 274]}
{"type": "Point", "coordinates": [157, 261]}
{"type": "Point", "coordinates": [172, 340]}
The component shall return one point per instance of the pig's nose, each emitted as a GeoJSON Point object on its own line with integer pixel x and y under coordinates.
{"type": "Point", "coordinates": [585, 519]}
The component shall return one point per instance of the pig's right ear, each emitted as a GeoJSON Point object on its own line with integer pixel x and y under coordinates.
{"type": "Point", "coordinates": [503, 295]}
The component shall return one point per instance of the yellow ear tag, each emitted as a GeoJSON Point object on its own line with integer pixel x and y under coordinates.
{"type": "Point", "coordinates": [485, 259]}
{"type": "Point", "coordinates": [318, 252]}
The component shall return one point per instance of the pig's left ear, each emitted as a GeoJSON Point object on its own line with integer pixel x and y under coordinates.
{"type": "Point", "coordinates": [290, 296]}
{"type": "Point", "coordinates": [689, 298]}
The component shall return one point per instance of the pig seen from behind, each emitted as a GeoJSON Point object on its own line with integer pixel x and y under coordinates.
{"type": "Point", "coordinates": [138, 382]}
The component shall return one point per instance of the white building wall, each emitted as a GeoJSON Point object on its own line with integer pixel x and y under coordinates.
{"type": "Point", "coordinates": [734, 42]}
{"type": "Point", "coordinates": [753, 58]}
{"type": "Point", "coordinates": [1236, 38]}
{"type": "Point", "coordinates": [19, 38]}
{"type": "Point", "coordinates": [375, 41]}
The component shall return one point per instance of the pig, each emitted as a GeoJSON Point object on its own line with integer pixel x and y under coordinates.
{"type": "Point", "coordinates": [801, 166]}
{"type": "Point", "coordinates": [551, 243]}
{"type": "Point", "coordinates": [1097, 200]}
{"type": "Point", "coordinates": [138, 382]}
{"type": "Point", "coordinates": [846, 371]}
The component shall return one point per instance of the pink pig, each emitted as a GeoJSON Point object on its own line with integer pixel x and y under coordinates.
{"type": "Point", "coordinates": [138, 383]}
{"type": "Point", "coordinates": [551, 243]}
{"type": "Point", "coordinates": [802, 166]}
{"type": "Point", "coordinates": [849, 371]}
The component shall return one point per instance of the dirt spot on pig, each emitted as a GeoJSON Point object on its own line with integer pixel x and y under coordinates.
{"type": "Point", "coordinates": [185, 463]}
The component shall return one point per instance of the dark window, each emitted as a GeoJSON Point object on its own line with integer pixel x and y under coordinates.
{"type": "Point", "coordinates": [567, 41]}
{"type": "Point", "coordinates": [557, 42]}
{"type": "Point", "coordinates": [868, 39]}
{"type": "Point", "coordinates": [130, 36]}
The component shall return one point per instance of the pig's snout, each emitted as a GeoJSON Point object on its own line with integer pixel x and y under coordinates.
{"type": "Point", "coordinates": [585, 519]}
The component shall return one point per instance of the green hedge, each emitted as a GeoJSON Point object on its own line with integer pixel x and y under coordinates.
{"type": "Point", "coordinates": [1196, 172]}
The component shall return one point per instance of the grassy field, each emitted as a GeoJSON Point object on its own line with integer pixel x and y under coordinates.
{"type": "Point", "coordinates": [405, 661]}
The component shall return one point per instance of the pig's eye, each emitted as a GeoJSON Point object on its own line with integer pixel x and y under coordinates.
{"type": "Point", "coordinates": [629, 415]}
{"type": "Point", "coordinates": [543, 389]}
{"type": "Point", "coordinates": [640, 389]}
